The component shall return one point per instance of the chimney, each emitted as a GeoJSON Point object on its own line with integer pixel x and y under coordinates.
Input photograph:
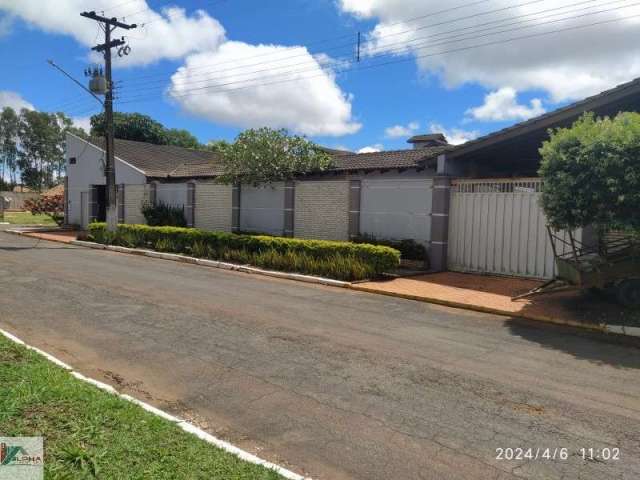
{"type": "Point", "coordinates": [429, 140]}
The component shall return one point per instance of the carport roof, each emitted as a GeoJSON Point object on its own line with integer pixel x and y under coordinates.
{"type": "Point", "coordinates": [531, 133]}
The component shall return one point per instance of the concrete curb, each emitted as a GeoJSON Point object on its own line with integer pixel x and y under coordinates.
{"type": "Point", "coordinates": [214, 264]}
{"type": "Point", "coordinates": [356, 286]}
{"type": "Point", "coordinates": [603, 328]}
{"type": "Point", "coordinates": [183, 424]}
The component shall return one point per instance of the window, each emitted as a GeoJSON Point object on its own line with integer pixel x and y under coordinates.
{"type": "Point", "coordinates": [72, 160]}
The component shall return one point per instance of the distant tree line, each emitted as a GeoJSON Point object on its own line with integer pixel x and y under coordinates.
{"type": "Point", "coordinates": [32, 147]}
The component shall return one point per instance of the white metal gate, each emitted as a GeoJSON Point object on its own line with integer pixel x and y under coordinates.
{"type": "Point", "coordinates": [498, 226]}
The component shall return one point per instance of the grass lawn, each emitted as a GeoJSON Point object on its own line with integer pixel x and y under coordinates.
{"type": "Point", "coordinates": [89, 433]}
{"type": "Point", "coordinates": [26, 218]}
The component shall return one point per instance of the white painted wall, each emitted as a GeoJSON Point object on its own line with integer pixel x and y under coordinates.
{"type": "Point", "coordinates": [396, 207]}
{"type": "Point", "coordinates": [262, 208]}
{"type": "Point", "coordinates": [174, 194]}
{"type": "Point", "coordinates": [89, 170]}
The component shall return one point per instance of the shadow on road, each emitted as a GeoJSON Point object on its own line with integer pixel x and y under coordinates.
{"type": "Point", "coordinates": [599, 348]}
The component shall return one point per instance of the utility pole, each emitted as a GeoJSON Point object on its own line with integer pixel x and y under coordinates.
{"type": "Point", "coordinates": [109, 25]}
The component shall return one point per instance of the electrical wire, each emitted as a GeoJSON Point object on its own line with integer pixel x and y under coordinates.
{"type": "Point", "coordinates": [403, 48]}
{"type": "Point", "coordinates": [402, 45]}
{"type": "Point", "coordinates": [403, 60]}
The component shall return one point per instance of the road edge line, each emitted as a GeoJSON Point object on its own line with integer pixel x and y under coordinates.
{"type": "Point", "coordinates": [183, 424]}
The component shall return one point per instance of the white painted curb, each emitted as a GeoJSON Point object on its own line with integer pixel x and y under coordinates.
{"type": "Point", "coordinates": [623, 330]}
{"type": "Point", "coordinates": [214, 264]}
{"type": "Point", "coordinates": [184, 425]}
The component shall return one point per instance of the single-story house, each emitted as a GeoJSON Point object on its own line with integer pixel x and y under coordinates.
{"type": "Point", "coordinates": [475, 206]}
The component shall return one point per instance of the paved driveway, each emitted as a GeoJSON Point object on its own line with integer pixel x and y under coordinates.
{"type": "Point", "coordinates": [332, 383]}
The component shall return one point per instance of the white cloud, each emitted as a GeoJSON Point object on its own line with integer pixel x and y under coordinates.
{"type": "Point", "coordinates": [82, 122]}
{"type": "Point", "coordinates": [14, 100]}
{"type": "Point", "coordinates": [398, 131]}
{"type": "Point", "coordinates": [170, 34]}
{"type": "Point", "coordinates": [503, 105]}
{"type": "Point", "coordinates": [378, 147]}
{"type": "Point", "coordinates": [6, 23]}
{"type": "Point", "coordinates": [308, 102]}
{"type": "Point", "coordinates": [455, 136]}
{"type": "Point", "coordinates": [568, 65]}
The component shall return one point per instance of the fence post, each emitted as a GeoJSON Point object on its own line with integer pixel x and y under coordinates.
{"type": "Point", "coordinates": [355, 189]}
{"type": "Point", "coordinates": [235, 208]}
{"type": "Point", "coordinates": [441, 197]}
{"type": "Point", "coordinates": [289, 207]}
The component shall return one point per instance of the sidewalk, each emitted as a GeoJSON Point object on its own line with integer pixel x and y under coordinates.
{"type": "Point", "coordinates": [493, 294]}
{"type": "Point", "coordinates": [62, 236]}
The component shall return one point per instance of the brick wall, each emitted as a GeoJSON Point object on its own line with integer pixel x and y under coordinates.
{"type": "Point", "coordinates": [213, 207]}
{"type": "Point", "coordinates": [134, 197]}
{"type": "Point", "coordinates": [321, 210]}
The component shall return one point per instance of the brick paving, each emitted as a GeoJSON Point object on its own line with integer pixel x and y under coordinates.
{"type": "Point", "coordinates": [493, 294]}
{"type": "Point", "coordinates": [66, 236]}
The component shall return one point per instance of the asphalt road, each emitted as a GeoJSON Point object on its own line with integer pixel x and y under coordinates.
{"type": "Point", "coordinates": [332, 383]}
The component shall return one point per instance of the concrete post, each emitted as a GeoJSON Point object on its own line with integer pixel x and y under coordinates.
{"type": "Point", "coordinates": [440, 223]}
{"type": "Point", "coordinates": [289, 207]}
{"type": "Point", "coordinates": [235, 208]}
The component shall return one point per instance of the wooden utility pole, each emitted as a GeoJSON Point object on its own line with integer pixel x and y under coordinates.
{"type": "Point", "coordinates": [109, 25]}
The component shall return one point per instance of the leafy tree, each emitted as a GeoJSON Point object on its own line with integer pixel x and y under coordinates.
{"type": "Point", "coordinates": [216, 146]}
{"type": "Point", "coordinates": [265, 155]}
{"type": "Point", "coordinates": [591, 173]}
{"type": "Point", "coordinates": [143, 128]}
{"type": "Point", "coordinates": [181, 138]}
{"type": "Point", "coordinates": [130, 126]}
{"type": "Point", "coordinates": [9, 125]}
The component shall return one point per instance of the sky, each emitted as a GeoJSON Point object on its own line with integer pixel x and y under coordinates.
{"type": "Point", "coordinates": [464, 68]}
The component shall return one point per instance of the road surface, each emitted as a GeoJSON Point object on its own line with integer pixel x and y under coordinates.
{"type": "Point", "coordinates": [331, 383]}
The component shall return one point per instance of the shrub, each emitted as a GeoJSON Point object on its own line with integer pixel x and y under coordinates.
{"type": "Point", "coordinates": [51, 206]}
{"type": "Point", "coordinates": [591, 173]}
{"type": "Point", "coordinates": [409, 248]}
{"type": "Point", "coordinates": [340, 260]}
{"type": "Point", "coordinates": [163, 215]}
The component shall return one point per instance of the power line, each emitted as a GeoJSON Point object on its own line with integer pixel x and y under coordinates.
{"type": "Point", "coordinates": [327, 40]}
{"type": "Point", "coordinates": [402, 45]}
{"type": "Point", "coordinates": [400, 49]}
{"type": "Point", "coordinates": [403, 60]}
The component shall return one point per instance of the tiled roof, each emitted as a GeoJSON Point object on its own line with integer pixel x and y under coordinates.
{"type": "Point", "coordinates": [389, 159]}
{"type": "Point", "coordinates": [54, 191]}
{"type": "Point", "coordinates": [164, 161]}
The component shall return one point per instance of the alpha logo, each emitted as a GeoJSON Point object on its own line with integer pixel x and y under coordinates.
{"type": "Point", "coordinates": [18, 455]}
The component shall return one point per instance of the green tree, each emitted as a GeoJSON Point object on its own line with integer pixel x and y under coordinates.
{"type": "Point", "coordinates": [9, 126]}
{"type": "Point", "coordinates": [266, 155]}
{"type": "Point", "coordinates": [143, 128]}
{"type": "Point", "coordinates": [131, 126]}
{"type": "Point", "coordinates": [216, 146]}
{"type": "Point", "coordinates": [181, 138]}
{"type": "Point", "coordinates": [591, 173]}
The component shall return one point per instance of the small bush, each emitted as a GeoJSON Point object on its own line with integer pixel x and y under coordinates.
{"type": "Point", "coordinates": [409, 248]}
{"type": "Point", "coordinates": [52, 206]}
{"type": "Point", "coordinates": [163, 215]}
{"type": "Point", "coordinates": [339, 260]}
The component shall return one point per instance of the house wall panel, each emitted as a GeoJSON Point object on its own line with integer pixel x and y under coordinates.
{"type": "Point", "coordinates": [322, 210]}
{"type": "Point", "coordinates": [262, 208]}
{"type": "Point", "coordinates": [213, 207]}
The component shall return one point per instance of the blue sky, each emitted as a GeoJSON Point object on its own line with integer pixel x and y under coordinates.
{"type": "Point", "coordinates": [464, 94]}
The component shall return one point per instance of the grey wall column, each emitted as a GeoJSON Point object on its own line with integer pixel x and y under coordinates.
{"type": "Point", "coordinates": [355, 189]}
{"type": "Point", "coordinates": [441, 199]}
{"type": "Point", "coordinates": [235, 208]}
{"type": "Point", "coordinates": [289, 207]}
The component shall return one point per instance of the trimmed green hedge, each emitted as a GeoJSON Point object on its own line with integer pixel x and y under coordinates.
{"type": "Point", "coordinates": [339, 260]}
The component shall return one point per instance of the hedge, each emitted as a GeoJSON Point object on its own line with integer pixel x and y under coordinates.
{"type": "Point", "coordinates": [339, 260]}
